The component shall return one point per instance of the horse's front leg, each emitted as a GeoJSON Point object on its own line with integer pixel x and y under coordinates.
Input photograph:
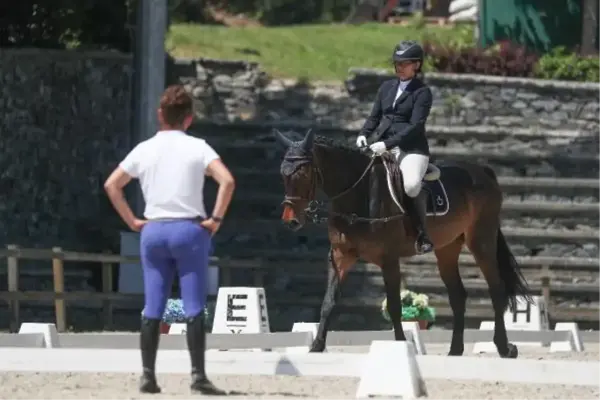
{"type": "Point", "coordinates": [391, 279]}
{"type": "Point", "coordinates": [338, 264]}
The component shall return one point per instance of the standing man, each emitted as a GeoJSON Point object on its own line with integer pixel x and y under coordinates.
{"type": "Point", "coordinates": [176, 232]}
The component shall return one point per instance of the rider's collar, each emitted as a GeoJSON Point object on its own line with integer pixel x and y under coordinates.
{"type": "Point", "coordinates": [404, 84]}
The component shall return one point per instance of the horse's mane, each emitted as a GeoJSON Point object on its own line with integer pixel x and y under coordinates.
{"type": "Point", "coordinates": [332, 144]}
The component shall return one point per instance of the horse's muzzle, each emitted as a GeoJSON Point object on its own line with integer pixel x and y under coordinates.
{"type": "Point", "coordinates": [289, 218]}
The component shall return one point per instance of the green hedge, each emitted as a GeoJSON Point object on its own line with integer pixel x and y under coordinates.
{"type": "Point", "coordinates": [510, 59]}
{"type": "Point", "coordinates": [561, 65]}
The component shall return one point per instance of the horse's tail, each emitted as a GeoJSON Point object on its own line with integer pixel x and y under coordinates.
{"type": "Point", "coordinates": [510, 273]}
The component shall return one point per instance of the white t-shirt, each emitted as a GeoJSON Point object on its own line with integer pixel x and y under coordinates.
{"type": "Point", "coordinates": [171, 168]}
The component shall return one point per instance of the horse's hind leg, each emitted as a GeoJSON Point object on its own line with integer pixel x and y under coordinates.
{"type": "Point", "coordinates": [336, 272]}
{"type": "Point", "coordinates": [447, 260]}
{"type": "Point", "coordinates": [481, 240]}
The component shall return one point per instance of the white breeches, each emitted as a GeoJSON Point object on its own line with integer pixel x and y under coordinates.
{"type": "Point", "coordinates": [413, 167]}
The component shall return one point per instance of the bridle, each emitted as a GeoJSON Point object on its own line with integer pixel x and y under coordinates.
{"type": "Point", "coordinates": [314, 206]}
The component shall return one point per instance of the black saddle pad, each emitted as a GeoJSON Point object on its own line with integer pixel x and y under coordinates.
{"type": "Point", "coordinates": [437, 201]}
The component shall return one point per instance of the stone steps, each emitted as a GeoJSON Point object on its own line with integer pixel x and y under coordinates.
{"type": "Point", "coordinates": [532, 163]}
{"type": "Point", "coordinates": [253, 183]}
{"type": "Point", "coordinates": [464, 151]}
{"type": "Point", "coordinates": [569, 142]}
{"type": "Point", "coordinates": [271, 180]}
{"type": "Point", "coordinates": [559, 211]}
{"type": "Point", "coordinates": [263, 132]}
{"type": "Point", "coordinates": [547, 153]}
{"type": "Point", "coordinates": [311, 283]}
{"type": "Point", "coordinates": [240, 237]}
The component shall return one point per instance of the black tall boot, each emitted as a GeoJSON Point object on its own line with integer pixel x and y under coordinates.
{"type": "Point", "coordinates": [419, 213]}
{"type": "Point", "coordinates": [149, 337]}
{"type": "Point", "coordinates": [196, 341]}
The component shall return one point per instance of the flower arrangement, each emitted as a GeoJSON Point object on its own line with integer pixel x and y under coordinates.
{"type": "Point", "coordinates": [173, 312]}
{"type": "Point", "coordinates": [415, 307]}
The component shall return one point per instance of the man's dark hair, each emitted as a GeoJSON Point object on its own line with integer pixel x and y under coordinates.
{"type": "Point", "coordinates": [176, 105]}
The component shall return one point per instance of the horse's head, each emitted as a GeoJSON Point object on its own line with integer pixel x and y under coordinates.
{"type": "Point", "coordinates": [299, 175]}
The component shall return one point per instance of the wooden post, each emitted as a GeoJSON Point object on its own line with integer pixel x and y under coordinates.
{"type": "Point", "coordinates": [403, 284]}
{"type": "Point", "coordinates": [589, 28]}
{"type": "Point", "coordinates": [58, 274]}
{"type": "Point", "coordinates": [107, 288]}
{"type": "Point", "coordinates": [13, 287]}
{"type": "Point", "coordinates": [224, 276]}
{"type": "Point", "coordinates": [546, 287]}
{"type": "Point", "coordinates": [258, 277]}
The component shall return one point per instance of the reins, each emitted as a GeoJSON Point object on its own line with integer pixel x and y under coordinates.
{"type": "Point", "coordinates": [314, 206]}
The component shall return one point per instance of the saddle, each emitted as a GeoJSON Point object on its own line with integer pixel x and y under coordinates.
{"type": "Point", "coordinates": [394, 181]}
{"type": "Point", "coordinates": [433, 173]}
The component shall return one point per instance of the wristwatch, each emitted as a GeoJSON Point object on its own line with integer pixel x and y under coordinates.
{"type": "Point", "coordinates": [216, 219]}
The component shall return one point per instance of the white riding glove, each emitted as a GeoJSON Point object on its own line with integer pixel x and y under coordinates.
{"type": "Point", "coordinates": [378, 148]}
{"type": "Point", "coordinates": [361, 141]}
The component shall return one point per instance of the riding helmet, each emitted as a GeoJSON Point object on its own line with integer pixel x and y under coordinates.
{"type": "Point", "coordinates": [408, 50]}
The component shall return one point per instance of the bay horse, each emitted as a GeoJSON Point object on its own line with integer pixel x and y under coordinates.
{"type": "Point", "coordinates": [366, 220]}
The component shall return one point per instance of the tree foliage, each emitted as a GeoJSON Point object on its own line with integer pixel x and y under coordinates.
{"type": "Point", "coordinates": [110, 24]}
{"type": "Point", "coordinates": [269, 12]}
{"type": "Point", "coordinates": [58, 24]}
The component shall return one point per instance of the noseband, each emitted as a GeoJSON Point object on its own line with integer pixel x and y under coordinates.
{"type": "Point", "coordinates": [300, 161]}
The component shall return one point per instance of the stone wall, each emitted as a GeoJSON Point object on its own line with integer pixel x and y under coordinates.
{"type": "Point", "coordinates": [239, 91]}
{"type": "Point", "coordinates": [65, 124]}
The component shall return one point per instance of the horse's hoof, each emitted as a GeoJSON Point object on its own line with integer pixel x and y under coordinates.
{"type": "Point", "coordinates": [511, 352]}
{"type": "Point", "coordinates": [457, 352]}
{"type": "Point", "coordinates": [317, 346]}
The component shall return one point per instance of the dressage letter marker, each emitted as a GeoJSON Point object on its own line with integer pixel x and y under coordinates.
{"type": "Point", "coordinates": [241, 310]}
{"type": "Point", "coordinates": [48, 330]}
{"type": "Point", "coordinates": [527, 317]}
{"type": "Point", "coordinates": [391, 369]}
{"type": "Point", "coordinates": [412, 327]}
{"type": "Point", "coordinates": [573, 344]}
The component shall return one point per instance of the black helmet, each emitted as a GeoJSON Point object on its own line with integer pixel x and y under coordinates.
{"type": "Point", "coordinates": [408, 50]}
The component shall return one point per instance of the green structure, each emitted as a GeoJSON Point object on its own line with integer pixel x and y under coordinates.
{"type": "Point", "coordinates": [538, 24]}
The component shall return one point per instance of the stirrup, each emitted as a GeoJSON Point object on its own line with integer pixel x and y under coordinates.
{"type": "Point", "coordinates": [423, 248]}
{"type": "Point", "coordinates": [432, 174]}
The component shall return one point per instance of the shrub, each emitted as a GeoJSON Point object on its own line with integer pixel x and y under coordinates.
{"type": "Point", "coordinates": [506, 59]}
{"type": "Point", "coordinates": [561, 65]}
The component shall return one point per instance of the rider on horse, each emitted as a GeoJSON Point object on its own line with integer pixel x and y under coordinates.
{"type": "Point", "coordinates": [397, 123]}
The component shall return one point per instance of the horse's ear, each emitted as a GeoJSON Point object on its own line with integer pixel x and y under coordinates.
{"type": "Point", "coordinates": [307, 142]}
{"type": "Point", "coordinates": [282, 139]}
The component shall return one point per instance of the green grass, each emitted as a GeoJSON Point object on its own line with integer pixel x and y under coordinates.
{"type": "Point", "coordinates": [306, 51]}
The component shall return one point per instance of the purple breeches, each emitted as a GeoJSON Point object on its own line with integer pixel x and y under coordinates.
{"type": "Point", "coordinates": [174, 245]}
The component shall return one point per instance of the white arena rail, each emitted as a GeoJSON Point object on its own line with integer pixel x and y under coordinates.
{"type": "Point", "coordinates": [376, 369]}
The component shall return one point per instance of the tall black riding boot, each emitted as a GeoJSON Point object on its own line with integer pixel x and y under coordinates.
{"type": "Point", "coordinates": [196, 341]}
{"type": "Point", "coordinates": [423, 243]}
{"type": "Point", "coordinates": [149, 337]}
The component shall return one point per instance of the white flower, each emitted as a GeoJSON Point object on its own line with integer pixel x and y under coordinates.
{"type": "Point", "coordinates": [421, 301]}
{"type": "Point", "coordinates": [406, 294]}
